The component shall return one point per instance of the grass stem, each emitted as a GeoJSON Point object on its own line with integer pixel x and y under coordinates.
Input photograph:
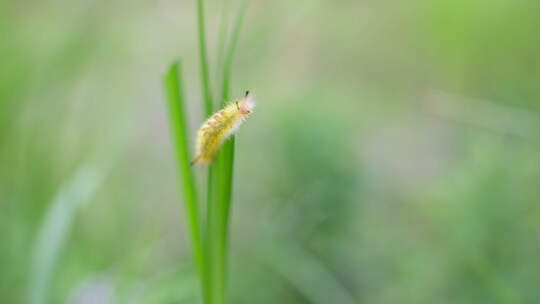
{"type": "Point", "coordinates": [174, 91]}
{"type": "Point", "coordinates": [203, 57]}
{"type": "Point", "coordinates": [226, 160]}
{"type": "Point", "coordinates": [221, 188]}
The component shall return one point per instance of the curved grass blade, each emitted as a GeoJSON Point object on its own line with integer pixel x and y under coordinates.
{"type": "Point", "coordinates": [306, 273]}
{"type": "Point", "coordinates": [56, 226]}
{"type": "Point", "coordinates": [173, 88]}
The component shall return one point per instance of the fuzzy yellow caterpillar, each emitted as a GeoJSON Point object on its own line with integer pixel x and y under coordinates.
{"type": "Point", "coordinates": [219, 127]}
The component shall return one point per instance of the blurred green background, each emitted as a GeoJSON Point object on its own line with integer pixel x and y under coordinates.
{"type": "Point", "coordinates": [394, 156]}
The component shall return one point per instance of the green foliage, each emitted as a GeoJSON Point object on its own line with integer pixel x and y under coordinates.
{"type": "Point", "coordinates": [177, 116]}
{"type": "Point", "coordinates": [212, 263]}
{"type": "Point", "coordinates": [393, 156]}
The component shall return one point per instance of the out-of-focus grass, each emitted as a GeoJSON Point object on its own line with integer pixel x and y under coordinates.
{"type": "Point", "coordinates": [55, 229]}
{"type": "Point", "coordinates": [400, 197]}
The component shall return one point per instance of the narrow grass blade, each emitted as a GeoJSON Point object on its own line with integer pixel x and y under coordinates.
{"type": "Point", "coordinates": [212, 174]}
{"type": "Point", "coordinates": [220, 188]}
{"type": "Point", "coordinates": [223, 29]}
{"type": "Point", "coordinates": [231, 50]}
{"type": "Point", "coordinates": [56, 226]}
{"type": "Point", "coordinates": [174, 90]}
{"type": "Point", "coordinates": [226, 158]}
{"type": "Point", "coordinates": [203, 57]}
{"type": "Point", "coordinates": [306, 273]}
{"type": "Point", "coordinates": [212, 237]}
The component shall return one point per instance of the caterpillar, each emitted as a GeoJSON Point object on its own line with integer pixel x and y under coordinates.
{"type": "Point", "coordinates": [219, 127]}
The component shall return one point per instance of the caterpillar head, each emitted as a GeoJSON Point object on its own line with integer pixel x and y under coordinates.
{"type": "Point", "coordinates": [247, 104]}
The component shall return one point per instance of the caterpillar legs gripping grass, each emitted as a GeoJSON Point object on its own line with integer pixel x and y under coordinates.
{"type": "Point", "coordinates": [219, 127]}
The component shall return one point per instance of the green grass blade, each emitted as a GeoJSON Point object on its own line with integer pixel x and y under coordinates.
{"type": "Point", "coordinates": [227, 67]}
{"type": "Point", "coordinates": [174, 91]}
{"type": "Point", "coordinates": [220, 188]}
{"type": "Point", "coordinates": [226, 160]}
{"type": "Point", "coordinates": [212, 237]}
{"type": "Point", "coordinates": [212, 174]}
{"type": "Point", "coordinates": [56, 226]}
{"type": "Point", "coordinates": [305, 272]}
{"type": "Point", "coordinates": [223, 29]}
{"type": "Point", "coordinates": [228, 149]}
{"type": "Point", "coordinates": [203, 57]}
